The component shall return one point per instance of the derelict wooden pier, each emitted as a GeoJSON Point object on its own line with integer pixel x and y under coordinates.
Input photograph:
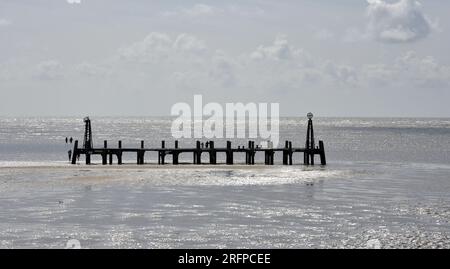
{"type": "Point", "coordinates": [107, 153]}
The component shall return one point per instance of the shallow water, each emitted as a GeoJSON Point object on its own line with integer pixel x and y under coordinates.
{"type": "Point", "coordinates": [386, 185]}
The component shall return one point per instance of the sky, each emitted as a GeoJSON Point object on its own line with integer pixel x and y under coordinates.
{"type": "Point", "coordinates": [358, 58]}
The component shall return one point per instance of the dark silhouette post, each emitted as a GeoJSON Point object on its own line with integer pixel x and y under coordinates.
{"type": "Point", "coordinates": [229, 153]}
{"type": "Point", "coordinates": [198, 154]}
{"type": "Point", "coordinates": [323, 160]}
{"type": "Point", "coordinates": [309, 148]}
{"type": "Point", "coordinates": [285, 153]}
{"type": "Point", "coordinates": [253, 152]}
{"type": "Point", "coordinates": [290, 152]}
{"type": "Point", "coordinates": [175, 153]}
{"type": "Point", "coordinates": [119, 153]}
{"type": "Point", "coordinates": [75, 152]}
{"type": "Point", "coordinates": [248, 153]}
{"type": "Point", "coordinates": [104, 152]}
{"type": "Point", "coordinates": [163, 152]}
{"type": "Point", "coordinates": [87, 142]}
{"type": "Point", "coordinates": [140, 154]}
{"type": "Point", "coordinates": [212, 153]}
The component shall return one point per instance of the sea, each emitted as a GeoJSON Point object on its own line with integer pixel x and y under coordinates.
{"type": "Point", "coordinates": [386, 185]}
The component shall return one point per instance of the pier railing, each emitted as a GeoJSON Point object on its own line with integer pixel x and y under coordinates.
{"type": "Point", "coordinates": [287, 151]}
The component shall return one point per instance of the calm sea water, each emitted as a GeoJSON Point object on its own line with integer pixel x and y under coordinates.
{"type": "Point", "coordinates": [387, 184]}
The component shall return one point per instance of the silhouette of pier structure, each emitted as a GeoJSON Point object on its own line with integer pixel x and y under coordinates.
{"type": "Point", "coordinates": [309, 151]}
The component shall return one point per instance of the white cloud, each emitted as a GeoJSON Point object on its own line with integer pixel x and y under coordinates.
{"type": "Point", "coordinates": [423, 71]}
{"type": "Point", "coordinates": [154, 47]}
{"type": "Point", "coordinates": [189, 43]}
{"type": "Point", "coordinates": [4, 22]}
{"type": "Point", "coordinates": [409, 70]}
{"type": "Point", "coordinates": [323, 34]}
{"type": "Point", "coordinates": [353, 34]}
{"type": "Point", "coordinates": [49, 70]}
{"type": "Point", "coordinates": [157, 47]}
{"type": "Point", "coordinates": [279, 65]}
{"type": "Point", "coordinates": [343, 74]}
{"type": "Point", "coordinates": [245, 11]}
{"type": "Point", "coordinates": [279, 50]}
{"type": "Point", "coordinates": [223, 69]}
{"type": "Point", "coordinates": [92, 70]}
{"type": "Point", "coordinates": [74, 1]}
{"type": "Point", "coordinates": [194, 11]}
{"type": "Point", "coordinates": [398, 22]}
{"type": "Point", "coordinates": [184, 62]}
{"type": "Point", "coordinates": [285, 53]}
{"type": "Point", "coordinates": [203, 10]}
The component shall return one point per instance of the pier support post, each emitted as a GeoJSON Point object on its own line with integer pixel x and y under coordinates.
{"type": "Point", "coordinates": [323, 160]}
{"type": "Point", "coordinates": [253, 153]}
{"type": "Point", "coordinates": [119, 153]}
{"type": "Point", "coordinates": [140, 154]}
{"type": "Point", "coordinates": [290, 153]}
{"type": "Point", "coordinates": [248, 153]}
{"type": "Point", "coordinates": [306, 157]}
{"type": "Point", "coordinates": [269, 155]}
{"type": "Point", "coordinates": [212, 153]}
{"type": "Point", "coordinates": [104, 153]}
{"type": "Point", "coordinates": [75, 152]}
{"type": "Point", "coordinates": [198, 154]}
{"type": "Point", "coordinates": [175, 154]}
{"type": "Point", "coordinates": [285, 153]}
{"type": "Point", "coordinates": [229, 153]}
{"type": "Point", "coordinates": [162, 153]}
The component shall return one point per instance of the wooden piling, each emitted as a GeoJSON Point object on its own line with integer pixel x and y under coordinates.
{"type": "Point", "coordinates": [104, 153]}
{"type": "Point", "coordinates": [323, 160]}
{"type": "Point", "coordinates": [212, 153]}
{"type": "Point", "coordinates": [140, 154]}
{"type": "Point", "coordinates": [253, 153]}
{"type": "Point", "coordinates": [248, 153]}
{"type": "Point", "coordinates": [229, 153]}
{"type": "Point", "coordinates": [290, 153]}
{"type": "Point", "coordinates": [198, 154]}
{"type": "Point", "coordinates": [175, 154]}
{"type": "Point", "coordinates": [119, 153]}
{"type": "Point", "coordinates": [162, 153]}
{"type": "Point", "coordinates": [285, 153]}
{"type": "Point", "coordinates": [75, 152]}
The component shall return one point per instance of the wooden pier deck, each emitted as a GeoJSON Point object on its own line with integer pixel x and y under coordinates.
{"type": "Point", "coordinates": [197, 152]}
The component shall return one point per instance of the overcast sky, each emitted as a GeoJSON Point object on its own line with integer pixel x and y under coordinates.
{"type": "Point", "coordinates": [125, 57]}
